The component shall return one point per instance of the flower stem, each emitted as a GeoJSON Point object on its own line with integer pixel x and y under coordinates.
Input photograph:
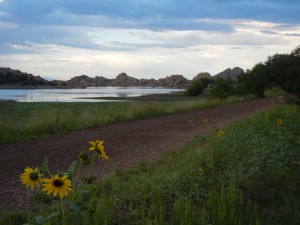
{"type": "Point", "coordinates": [78, 171]}
{"type": "Point", "coordinates": [62, 211]}
{"type": "Point", "coordinates": [92, 163]}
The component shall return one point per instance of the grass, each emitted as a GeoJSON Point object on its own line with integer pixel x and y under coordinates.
{"type": "Point", "coordinates": [248, 176]}
{"type": "Point", "coordinates": [19, 121]}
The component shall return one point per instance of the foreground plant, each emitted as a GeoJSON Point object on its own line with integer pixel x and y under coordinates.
{"type": "Point", "coordinates": [31, 177]}
{"type": "Point", "coordinates": [58, 185]}
{"type": "Point", "coordinates": [61, 184]}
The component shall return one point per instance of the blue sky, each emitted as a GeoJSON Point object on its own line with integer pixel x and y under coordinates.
{"type": "Point", "coordinates": [144, 38]}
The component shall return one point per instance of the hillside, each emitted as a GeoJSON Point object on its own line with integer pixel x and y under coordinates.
{"type": "Point", "coordinates": [10, 78]}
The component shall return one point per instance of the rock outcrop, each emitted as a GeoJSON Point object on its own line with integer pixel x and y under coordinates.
{"type": "Point", "coordinates": [230, 73]}
{"type": "Point", "coordinates": [123, 80]}
{"type": "Point", "coordinates": [16, 78]}
{"type": "Point", "coordinates": [202, 75]}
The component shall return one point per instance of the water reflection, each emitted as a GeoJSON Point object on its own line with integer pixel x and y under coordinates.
{"type": "Point", "coordinates": [78, 95]}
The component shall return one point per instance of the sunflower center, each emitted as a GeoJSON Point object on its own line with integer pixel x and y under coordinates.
{"type": "Point", "coordinates": [58, 183]}
{"type": "Point", "coordinates": [34, 175]}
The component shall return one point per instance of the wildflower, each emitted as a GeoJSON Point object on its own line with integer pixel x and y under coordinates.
{"type": "Point", "coordinates": [94, 145]}
{"type": "Point", "coordinates": [279, 121]}
{"type": "Point", "coordinates": [31, 177]}
{"type": "Point", "coordinates": [101, 154]}
{"type": "Point", "coordinates": [58, 185]}
{"type": "Point", "coordinates": [220, 133]}
{"type": "Point", "coordinates": [98, 146]}
{"type": "Point", "coordinates": [201, 171]}
{"type": "Point", "coordinates": [204, 120]}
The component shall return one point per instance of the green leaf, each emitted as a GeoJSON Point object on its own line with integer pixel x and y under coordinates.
{"type": "Point", "coordinates": [84, 191]}
{"type": "Point", "coordinates": [42, 219]}
{"type": "Point", "coordinates": [45, 167]}
{"type": "Point", "coordinates": [72, 167]}
{"type": "Point", "coordinates": [74, 208]}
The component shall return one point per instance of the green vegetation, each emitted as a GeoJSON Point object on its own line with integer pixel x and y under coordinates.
{"type": "Point", "coordinates": [32, 120]}
{"type": "Point", "coordinates": [222, 87]}
{"type": "Point", "coordinates": [247, 175]}
{"type": "Point", "coordinates": [197, 87]}
{"type": "Point", "coordinates": [280, 70]}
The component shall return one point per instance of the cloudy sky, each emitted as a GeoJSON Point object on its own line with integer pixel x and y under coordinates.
{"type": "Point", "coordinates": [144, 38]}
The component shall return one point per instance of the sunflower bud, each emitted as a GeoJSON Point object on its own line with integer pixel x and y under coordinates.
{"type": "Point", "coordinates": [83, 156]}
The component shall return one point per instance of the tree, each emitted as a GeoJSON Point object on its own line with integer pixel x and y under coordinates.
{"type": "Point", "coordinates": [197, 87]}
{"type": "Point", "coordinates": [222, 87]}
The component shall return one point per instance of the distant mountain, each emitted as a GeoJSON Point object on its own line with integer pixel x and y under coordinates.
{"type": "Point", "coordinates": [15, 78]}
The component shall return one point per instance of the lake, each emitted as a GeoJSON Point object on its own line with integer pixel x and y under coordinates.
{"type": "Point", "coordinates": [77, 95]}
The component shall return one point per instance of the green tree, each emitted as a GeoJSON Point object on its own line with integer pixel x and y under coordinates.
{"type": "Point", "coordinates": [254, 81]}
{"type": "Point", "coordinates": [197, 87]}
{"type": "Point", "coordinates": [284, 70]}
{"type": "Point", "coordinates": [222, 87]}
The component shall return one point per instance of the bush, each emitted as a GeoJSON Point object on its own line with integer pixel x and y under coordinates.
{"type": "Point", "coordinates": [274, 91]}
{"type": "Point", "coordinates": [222, 88]}
{"type": "Point", "coordinates": [197, 87]}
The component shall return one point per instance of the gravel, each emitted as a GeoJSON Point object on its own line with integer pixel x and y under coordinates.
{"type": "Point", "coordinates": [125, 143]}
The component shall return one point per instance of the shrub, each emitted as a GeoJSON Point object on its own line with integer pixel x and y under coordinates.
{"type": "Point", "coordinates": [222, 88]}
{"type": "Point", "coordinates": [197, 87]}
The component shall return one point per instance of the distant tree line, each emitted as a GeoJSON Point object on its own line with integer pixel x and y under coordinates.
{"type": "Point", "coordinates": [280, 70]}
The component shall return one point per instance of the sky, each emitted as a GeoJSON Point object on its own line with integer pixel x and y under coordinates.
{"type": "Point", "coordinates": [61, 39]}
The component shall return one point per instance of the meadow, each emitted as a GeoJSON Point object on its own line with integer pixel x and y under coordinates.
{"type": "Point", "coordinates": [21, 121]}
{"type": "Point", "coordinates": [246, 174]}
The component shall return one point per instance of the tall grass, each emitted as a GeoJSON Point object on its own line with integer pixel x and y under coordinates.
{"type": "Point", "coordinates": [248, 176]}
{"type": "Point", "coordinates": [32, 120]}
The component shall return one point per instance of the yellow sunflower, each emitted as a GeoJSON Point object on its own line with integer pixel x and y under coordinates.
{"type": "Point", "coordinates": [94, 145]}
{"type": "Point", "coordinates": [31, 177]}
{"type": "Point", "coordinates": [279, 121]}
{"type": "Point", "coordinates": [58, 185]}
{"type": "Point", "coordinates": [220, 133]}
{"type": "Point", "coordinates": [101, 154]}
{"type": "Point", "coordinates": [204, 120]}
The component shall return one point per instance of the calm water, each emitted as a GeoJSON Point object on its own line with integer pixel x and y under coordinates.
{"type": "Point", "coordinates": [74, 95]}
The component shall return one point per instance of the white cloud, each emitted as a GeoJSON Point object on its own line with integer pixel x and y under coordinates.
{"type": "Point", "coordinates": [5, 25]}
{"type": "Point", "coordinates": [146, 53]}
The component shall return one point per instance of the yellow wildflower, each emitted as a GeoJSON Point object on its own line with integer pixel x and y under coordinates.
{"type": "Point", "coordinates": [279, 121]}
{"type": "Point", "coordinates": [58, 185]}
{"type": "Point", "coordinates": [101, 154]}
{"type": "Point", "coordinates": [220, 133]}
{"type": "Point", "coordinates": [201, 171]}
{"type": "Point", "coordinates": [94, 145]}
{"type": "Point", "coordinates": [31, 177]}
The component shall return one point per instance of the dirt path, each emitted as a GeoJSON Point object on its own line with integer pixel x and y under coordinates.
{"type": "Point", "coordinates": [125, 143]}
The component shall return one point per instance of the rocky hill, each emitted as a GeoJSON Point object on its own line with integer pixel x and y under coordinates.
{"type": "Point", "coordinates": [230, 73]}
{"type": "Point", "coordinates": [123, 80]}
{"type": "Point", "coordinates": [16, 78]}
